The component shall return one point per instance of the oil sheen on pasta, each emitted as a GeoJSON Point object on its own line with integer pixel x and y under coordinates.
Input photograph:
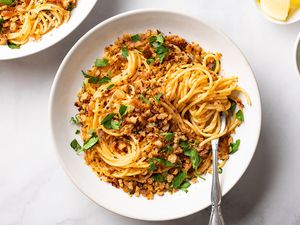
{"type": "Point", "coordinates": [153, 102]}
{"type": "Point", "coordinates": [21, 20]}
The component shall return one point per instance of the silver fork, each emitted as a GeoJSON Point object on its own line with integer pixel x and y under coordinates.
{"type": "Point", "coordinates": [216, 217]}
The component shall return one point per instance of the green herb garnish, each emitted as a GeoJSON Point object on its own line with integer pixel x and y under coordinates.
{"type": "Point", "coordinates": [101, 62]}
{"type": "Point", "coordinates": [70, 7]}
{"type": "Point", "coordinates": [1, 22]}
{"type": "Point", "coordinates": [161, 161]}
{"type": "Point", "coordinates": [86, 145]}
{"type": "Point", "coordinates": [13, 46]}
{"type": "Point", "coordinates": [149, 61]}
{"type": "Point", "coordinates": [220, 170]}
{"type": "Point", "coordinates": [122, 110]}
{"type": "Point", "coordinates": [110, 87]}
{"type": "Point", "coordinates": [195, 158]}
{"type": "Point", "coordinates": [233, 147]}
{"type": "Point", "coordinates": [240, 115]}
{"type": "Point", "coordinates": [158, 178]}
{"type": "Point", "coordinates": [77, 132]}
{"type": "Point", "coordinates": [135, 37]}
{"type": "Point", "coordinates": [179, 179]}
{"type": "Point", "coordinates": [157, 98]}
{"type": "Point", "coordinates": [158, 43]}
{"type": "Point", "coordinates": [232, 107]}
{"type": "Point", "coordinates": [91, 131]}
{"type": "Point", "coordinates": [185, 186]}
{"type": "Point", "coordinates": [168, 136]}
{"type": "Point", "coordinates": [7, 2]}
{"type": "Point", "coordinates": [142, 97]}
{"type": "Point", "coordinates": [125, 52]}
{"type": "Point", "coordinates": [167, 149]}
{"type": "Point", "coordinates": [106, 122]}
{"type": "Point", "coordinates": [75, 120]}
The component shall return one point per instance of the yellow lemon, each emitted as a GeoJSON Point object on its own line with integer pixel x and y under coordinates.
{"type": "Point", "coordinates": [277, 9]}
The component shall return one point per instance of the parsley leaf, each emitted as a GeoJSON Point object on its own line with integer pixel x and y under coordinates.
{"type": "Point", "coordinates": [152, 39]}
{"type": "Point", "coordinates": [122, 110]}
{"type": "Point", "coordinates": [101, 62]}
{"type": "Point", "coordinates": [7, 2]}
{"type": "Point", "coordinates": [106, 122]}
{"type": "Point", "coordinates": [116, 125]}
{"type": "Point", "coordinates": [161, 161]}
{"type": "Point", "coordinates": [125, 52]}
{"type": "Point", "coordinates": [13, 46]}
{"type": "Point", "coordinates": [157, 97]}
{"type": "Point", "coordinates": [1, 22]}
{"type": "Point", "coordinates": [149, 61]}
{"type": "Point", "coordinates": [110, 87]}
{"type": "Point", "coordinates": [233, 147]}
{"type": "Point", "coordinates": [75, 120]}
{"type": "Point", "coordinates": [195, 158]}
{"type": "Point", "coordinates": [179, 179]}
{"type": "Point", "coordinates": [142, 97]}
{"type": "Point", "coordinates": [220, 170]}
{"type": "Point", "coordinates": [96, 80]}
{"type": "Point", "coordinates": [135, 37]}
{"type": "Point", "coordinates": [77, 132]}
{"type": "Point", "coordinates": [160, 38]}
{"type": "Point", "coordinates": [240, 115]}
{"type": "Point", "coordinates": [90, 143]}
{"type": "Point", "coordinates": [158, 178]}
{"type": "Point", "coordinates": [168, 136]}
{"type": "Point", "coordinates": [185, 186]}
{"type": "Point", "coordinates": [233, 106]}
{"type": "Point", "coordinates": [167, 149]}
{"type": "Point", "coordinates": [71, 6]}
{"type": "Point", "coordinates": [75, 145]}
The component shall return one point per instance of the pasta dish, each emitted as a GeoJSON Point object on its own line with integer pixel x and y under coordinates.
{"type": "Point", "coordinates": [148, 110]}
{"type": "Point", "coordinates": [21, 20]}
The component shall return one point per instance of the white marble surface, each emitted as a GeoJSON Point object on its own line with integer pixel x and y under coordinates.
{"type": "Point", "coordinates": [34, 189]}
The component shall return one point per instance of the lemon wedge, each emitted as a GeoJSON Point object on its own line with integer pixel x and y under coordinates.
{"type": "Point", "coordinates": [277, 9]}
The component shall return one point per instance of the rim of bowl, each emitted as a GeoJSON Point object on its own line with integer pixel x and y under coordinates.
{"type": "Point", "coordinates": [53, 43]}
{"type": "Point", "coordinates": [296, 50]}
{"type": "Point", "coordinates": [82, 39]}
{"type": "Point", "coordinates": [270, 19]}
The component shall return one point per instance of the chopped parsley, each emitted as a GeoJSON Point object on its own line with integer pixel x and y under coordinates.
{"type": "Point", "coordinates": [110, 87]}
{"type": "Point", "coordinates": [220, 170]}
{"type": "Point", "coordinates": [233, 147]}
{"type": "Point", "coordinates": [135, 37]}
{"type": "Point", "coordinates": [96, 80]}
{"type": "Point", "coordinates": [1, 22]}
{"type": "Point", "coordinates": [7, 2]}
{"type": "Point", "coordinates": [158, 178]}
{"type": "Point", "coordinates": [86, 145]}
{"type": "Point", "coordinates": [168, 136]}
{"type": "Point", "coordinates": [149, 61]}
{"type": "Point", "coordinates": [157, 98]}
{"type": "Point", "coordinates": [122, 110]}
{"type": "Point", "coordinates": [77, 132]}
{"type": "Point", "coordinates": [233, 106]}
{"type": "Point", "coordinates": [179, 179]}
{"type": "Point", "coordinates": [195, 158]}
{"type": "Point", "coordinates": [161, 161]}
{"type": "Point", "coordinates": [13, 46]}
{"type": "Point", "coordinates": [75, 119]}
{"type": "Point", "coordinates": [106, 122]}
{"type": "Point", "coordinates": [160, 49]}
{"type": "Point", "coordinates": [240, 115]}
{"type": "Point", "coordinates": [142, 97]}
{"type": "Point", "coordinates": [101, 62]}
{"type": "Point", "coordinates": [70, 7]}
{"type": "Point", "coordinates": [167, 149]}
{"type": "Point", "coordinates": [125, 52]}
{"type": "Point", "coordinates": [185, 186]}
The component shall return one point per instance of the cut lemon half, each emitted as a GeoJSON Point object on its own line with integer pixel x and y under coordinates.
{"type": "Point", "coordinates": [277, 9]}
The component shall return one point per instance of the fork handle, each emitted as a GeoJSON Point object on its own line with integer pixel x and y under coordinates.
{"type": "Point", "coordinates": [216, 217]}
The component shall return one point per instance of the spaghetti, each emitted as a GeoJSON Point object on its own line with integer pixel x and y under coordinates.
{"type": "Point", "coordinates": [149, 109]}
{"type": "Point", "coordinates": [25, 19]}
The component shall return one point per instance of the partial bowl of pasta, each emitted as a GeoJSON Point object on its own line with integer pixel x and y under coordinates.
{"type": "Point", "coordinates": [132, 122]}
{"type": "Point", "coordinates": [30, 26]}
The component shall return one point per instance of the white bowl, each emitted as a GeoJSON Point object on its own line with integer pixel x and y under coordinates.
{"type": "Point", "coordinates": [68, 81]}
{"type": "Point", "coordinates": [293, 18]}
{"type": "Point", "coordinates": [78, 14]}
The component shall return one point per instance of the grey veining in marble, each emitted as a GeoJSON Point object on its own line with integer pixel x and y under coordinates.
{"type": "Point", "coordinates": [33, 187]}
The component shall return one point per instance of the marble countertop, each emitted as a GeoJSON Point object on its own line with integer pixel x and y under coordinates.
{"type": "Point", "coordinates": [35, 190]}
